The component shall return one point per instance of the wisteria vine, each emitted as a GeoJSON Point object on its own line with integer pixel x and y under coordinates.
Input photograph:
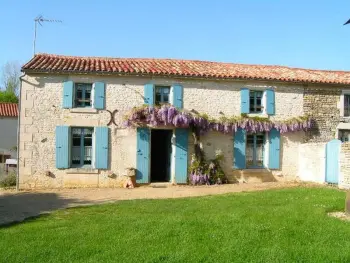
{"type": "Point", "coordinates": [167, 115]}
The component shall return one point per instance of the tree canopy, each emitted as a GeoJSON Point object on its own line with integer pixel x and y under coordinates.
{"type": "Point", "coordinates": [10, 82]}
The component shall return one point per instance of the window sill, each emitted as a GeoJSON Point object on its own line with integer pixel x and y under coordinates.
{"type": "Point", "coordinates": [81, 171]}
{"type": "Point", "coordinates": [83, 110]}
{"type": "Point", "coordinates": [261, 115]}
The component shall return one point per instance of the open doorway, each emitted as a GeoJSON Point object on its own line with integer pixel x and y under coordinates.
{"type": "Point", "coordinates": [160, 155]}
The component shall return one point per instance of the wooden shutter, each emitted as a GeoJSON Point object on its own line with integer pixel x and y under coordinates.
{"type": "Point", "coordinates": [270, 102]}
{"type": "Point", "coordinates": [274, 149]}
{"type": "Point", "coordinates": [62, 147]}
{"type": "Point", "coordinates": [181, 155]}
{"type": "Point", "coordinates": [101, 147]}
{"type": "Point", "coordinates": [239, 149]}
{"type": "Point", "coordinates": [142, 156]}
{"type": "Point", "coordinates": [99, 95]}
{"type": "Point", "coordinates": [244, 100]}
{"type": "Point", "coordinates": [149, 94]}
{"type": "Point", "coordinates": [68, 89]}
{"type": "Point", "coordinates": [177, 96]}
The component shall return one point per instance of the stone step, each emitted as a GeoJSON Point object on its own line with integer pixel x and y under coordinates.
{"type": "Point", "coordinates": [253, 176]}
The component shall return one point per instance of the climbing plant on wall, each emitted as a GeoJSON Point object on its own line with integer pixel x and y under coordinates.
{"type": "Point", "coordinates": [167, 115]}
{"type": "Point", "coordinates": [202, 171]}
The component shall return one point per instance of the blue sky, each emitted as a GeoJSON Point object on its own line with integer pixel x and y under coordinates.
{"type": "Point", "coordinates": [296, 33]}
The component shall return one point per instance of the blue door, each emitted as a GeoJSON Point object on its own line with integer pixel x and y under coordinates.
{"type": "Point", "coordinates": [332, 161]}
{"type": "Point", "coordinates": [181, 158]}
{"type": "Point", "coordinates": [142, 156]}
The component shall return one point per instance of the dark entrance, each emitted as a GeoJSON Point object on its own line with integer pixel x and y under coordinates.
{"type": "Point", "coordinates": [160, 155]}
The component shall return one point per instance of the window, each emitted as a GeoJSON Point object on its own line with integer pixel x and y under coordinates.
{"type": "Point", "coordinates": [344, 135]}
{"type": "Point", "coordinates": [81, 147]}
{"type": "Point", "coordinates": [255, 101]}
{"type": "Point", "coordinates": [162, 95]}
{"type": "Point", "coordinates": [83, 95]}
{"type": "Point", "coordinates": [346, 105]}
{"type": "Point", "coordinates": [4, 157]}
{"type": "Point", "coordinates": [255, 150]}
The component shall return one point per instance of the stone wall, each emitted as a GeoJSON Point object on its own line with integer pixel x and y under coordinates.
{"type": "Point", "coordinates": [322, 103]}
{"type": "Point", "coordinates": [41, 112]}
{"type": "Point", "coordinates": [344, 179]}
{"type": "Point", "coordinates": [312, 162]}
{"type": "Point", "coordinates": [8, 136]}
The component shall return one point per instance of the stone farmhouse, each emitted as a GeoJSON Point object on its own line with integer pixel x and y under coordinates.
{"type": "Point", "coordinates": [269, 122]}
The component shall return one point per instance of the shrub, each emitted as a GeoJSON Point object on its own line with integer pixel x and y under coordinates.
{"type": "Point", "coordinates": [8, 96]}
{"type": "Point", "coordinates": [9, 180]}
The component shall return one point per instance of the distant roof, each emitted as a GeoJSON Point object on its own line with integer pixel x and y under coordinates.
{"type": "Point", "coordinates": [8, 109]}
{"type": "Point", "coordinates": [48, 63]}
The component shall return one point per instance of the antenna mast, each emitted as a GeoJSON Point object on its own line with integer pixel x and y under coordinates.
{"type": "Point", "coordinates": [39, 20]}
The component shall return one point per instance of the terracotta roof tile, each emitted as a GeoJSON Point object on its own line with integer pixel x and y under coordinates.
{"type": "Point", "coordinates": [181, 68]}
{"type": "Point", "coordinates": [8, 109]}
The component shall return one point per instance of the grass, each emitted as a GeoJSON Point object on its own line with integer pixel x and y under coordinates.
{"type": "Point", "coordinates": [289, 225]}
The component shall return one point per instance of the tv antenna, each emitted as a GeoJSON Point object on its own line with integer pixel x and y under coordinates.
{"type": "Point", "coordinates": [39, 20]}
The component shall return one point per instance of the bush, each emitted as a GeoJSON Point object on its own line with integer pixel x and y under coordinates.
{"type": "Point", "coordinates": [8, 96]}
{"type": "Point", "coordinates": [9, 180]}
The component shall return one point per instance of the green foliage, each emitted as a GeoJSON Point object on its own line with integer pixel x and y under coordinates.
{"type": "Point", "coordinates": [281, 225]}
{"type": "Point", "coordinates": [8, 96]}
{"type": "Point", "coordinates": [207, 172]}
{"type": "Point", "coordinates": [8, 181]}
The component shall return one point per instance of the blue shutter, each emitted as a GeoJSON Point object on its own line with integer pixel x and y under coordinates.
{"type": "Point", "coordinates": [270, 102]}
{"type": "Point", "coordinates": [68, 94]}
{"type": "Point", "coordinates": [244, 100]}
{"type": "Point", "coordinates": [239, 149]}
{"type": "Point", "coordinates": [62, 147]}
{"type": "Point", "coordinates": [332, 161]}
{"type": "Point", "coordinates": [178, 96]}
{"type": "Point", "coordinates": [142, 156]}
{"type": "Point", "coordinates": [149, 94]}
{"type": "Point", "coordinates": [274, 149]}
{"type": "Point", "coordinates": [101, 148]}
{"type": "Point", "coordinates": [181, 156]}
{"type": "Point", "coordinates": [99, 95]}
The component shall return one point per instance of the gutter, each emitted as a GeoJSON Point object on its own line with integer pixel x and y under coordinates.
{"type": "Point", "coordinates": [18, 129]}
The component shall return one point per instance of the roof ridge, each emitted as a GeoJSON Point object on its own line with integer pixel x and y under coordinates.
{"type": "Point", "coordinates": [182, 60]}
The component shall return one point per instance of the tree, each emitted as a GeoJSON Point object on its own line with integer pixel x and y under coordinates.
{"type": "Point", "coordinates": [8, 96]}
{"type": "Point", "coordinates": [11, 72]}
{"type": "Point", "coordinates": [10, 82]}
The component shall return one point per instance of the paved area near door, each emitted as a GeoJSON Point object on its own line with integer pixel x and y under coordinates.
{"type": "Point", "coordinates": [17, 206]}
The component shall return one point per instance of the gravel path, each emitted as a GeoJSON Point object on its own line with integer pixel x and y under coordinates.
{"type": "Point", "coordinates": [17, 206]}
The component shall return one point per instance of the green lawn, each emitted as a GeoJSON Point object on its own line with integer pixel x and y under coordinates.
{"type": "Point", "coordinates": [287, 225]}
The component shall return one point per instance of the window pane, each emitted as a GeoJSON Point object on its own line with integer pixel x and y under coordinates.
{"type": "Point", "coordinates": [88, 155]}
{"type": "Point", "coordinates": [259, 154]}
{"type": "Point", "coordinates": [88, 96]}
{"type": "Point", "coordinates": [76, 152]}
{"type": "Point", "coordinates": [87, 141]}
{"type": "Point", "coordinates": [158, 96]}
{"type": "Point", "coordinates": [76, 141]}
{"type": "Point", "coordinates": [249, 151]}
{"type": "Point", "coordinates": [165, 98]}
{"type": "Point", "coordinates": [346, 105]}
{"type": "Point", "coordinates": [251, 104]}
